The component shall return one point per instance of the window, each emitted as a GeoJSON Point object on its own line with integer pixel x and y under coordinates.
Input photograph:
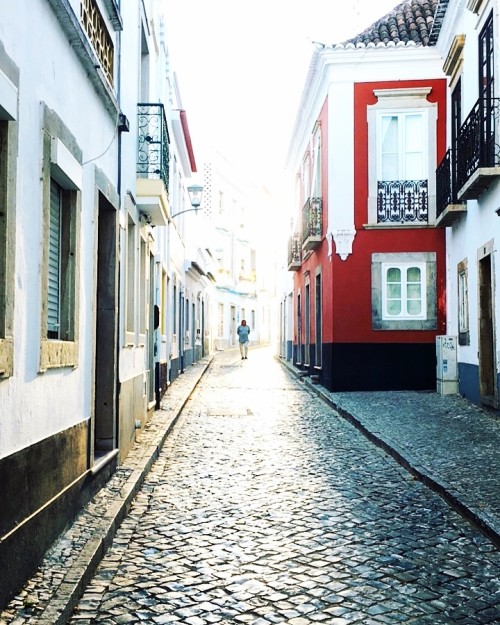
{"type": "Point", "coordinates": [221, 321]}
{"type": "Point", "coordinates": [62, 181]}
{"type": "Point", "coordinates": [131, 260]}
{"type": "Point", "coordinates": [463, 304]}
{"type": "Point", "coordinates": [164, 302]}
{"type": "Point", "coordinates": [8, 163]}
{"type": "Point", "coordinates": [316, 172]}
{"type": "Point", "coordinates": [306, 178]}
{"type": "Point", "coordinates": [174, 310]}
{"type": "Point", "coordinates": [402, 158]}
{"type": "Point", "coordinates": [404, 291]}
{"type": "Point", "coordinates": [60, 264]}
{"type": "Point", "coordinates": [402, 155]}
{"type": "Point", "coordinates": [143, 287]}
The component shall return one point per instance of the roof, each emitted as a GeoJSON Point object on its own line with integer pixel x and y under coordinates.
{"type": "Point", "coordinates": [409, 22]}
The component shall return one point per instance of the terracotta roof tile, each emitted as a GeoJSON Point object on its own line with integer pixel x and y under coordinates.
{"type": "Point", "coordinates": [409, 22]}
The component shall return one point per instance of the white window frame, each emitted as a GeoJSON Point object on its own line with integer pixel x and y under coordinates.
{"type": "Point", "coordinates": [403, 268]}
{"type": "Point", "coordinates": [306, 177]}
{"type": "Point", "coordinates": [61, 162]}
{"type": "Point", "coordinates": [316, 187]}
{"type": "Point", "coordinates": [131, 274]}
{"type": "Point", "coordinates": [8, 167]}
{"type": "Point", "coordinates": [428, 319]}
{"type": "Point", "coordinates": [400, 102]}
{"type": "Point", "coordinates": [402, 115]}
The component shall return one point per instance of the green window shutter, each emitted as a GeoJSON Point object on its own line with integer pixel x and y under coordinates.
{"type": "Point", "coordinates": [54, 292]}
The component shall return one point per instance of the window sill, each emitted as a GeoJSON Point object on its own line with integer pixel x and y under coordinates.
{"type": "Point", "coordinates": [398, 226]}
{"type": "Point", "coordinates": [58, 354]}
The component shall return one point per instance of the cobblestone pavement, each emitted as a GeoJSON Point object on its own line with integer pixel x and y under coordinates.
{"type": "Point", "coordinates": [450, 443]}
{"type": "Point", "coordinates": [265, 506]}
{"type": "Point", "coordinates": [48, 597]}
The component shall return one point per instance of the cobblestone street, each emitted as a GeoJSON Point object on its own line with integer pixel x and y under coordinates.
{"type": "Point", "coordinates": [266, 507]}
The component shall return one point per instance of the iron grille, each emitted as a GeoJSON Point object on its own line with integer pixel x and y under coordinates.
{"type": "Point", "coordinates": [312, 218]}
{"type": "Point", "coordinates": [446, 192]}
{"type": "Point", "coordinates": [402, 201]}
{"type": "Point", "coordinates": [153, 142]}
{"type": "Point", "coordinates": [294, 250]}
{"type": "Point", "coordinates": [477, 142]}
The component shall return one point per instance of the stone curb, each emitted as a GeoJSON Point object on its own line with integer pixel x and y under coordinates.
{"type": "Point", "coordinates": [60, 606]}
{"type": "Point", "coordinates": [457, 500]}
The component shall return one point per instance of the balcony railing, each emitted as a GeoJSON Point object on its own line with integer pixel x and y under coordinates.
{"type": "Point", "coordinates": [478, 149]}
{"type": "Point", "coordinates": [153, 142]}
{"type": "Point", "coordinates": [448, 207]}
{"type": "Point", "coordinates": [294, 252]}
{"type": "Point", "coordinates": [402, 201]}
{"type": "Point", "coordinates": [312, 223]}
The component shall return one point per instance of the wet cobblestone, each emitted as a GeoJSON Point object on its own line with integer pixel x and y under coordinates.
{"type": "Point", "coordinates": [267, 507]}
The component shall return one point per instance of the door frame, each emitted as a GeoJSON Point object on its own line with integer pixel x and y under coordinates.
{"type": "Point", "coordinates": [488, 386]}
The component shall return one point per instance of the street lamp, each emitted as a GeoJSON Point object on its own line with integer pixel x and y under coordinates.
{"type": "Point", "coordinates": [195, 192]}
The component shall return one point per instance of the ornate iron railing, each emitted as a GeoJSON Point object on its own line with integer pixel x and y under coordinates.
{"type": "Point", "coordinates": [153, 142]}
{"type": "Point", "coordinates": [312, 218]}
{"type": "Point", "coordinates": [402, 201]}
{"type": "Point", "coordinates": [446, 188]}
{"type": "Point", "coordinates": [477, 142]}
{"type": "Point", "coordinates": [294, 250]}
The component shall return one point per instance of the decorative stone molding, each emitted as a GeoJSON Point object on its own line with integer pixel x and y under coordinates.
{"type": "Point", "coordinates": [475, 6]}
{"type": "Point", "coordinates": [343, 242]}
{"type": "Point", "coordinates": [454, 56]}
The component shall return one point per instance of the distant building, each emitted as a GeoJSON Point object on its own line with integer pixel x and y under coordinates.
{"type": "Point", "coordinates": [244, 269]}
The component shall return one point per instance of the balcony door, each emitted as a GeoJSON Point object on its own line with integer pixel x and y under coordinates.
{"type": "Point", "coordinates": [486, 92]}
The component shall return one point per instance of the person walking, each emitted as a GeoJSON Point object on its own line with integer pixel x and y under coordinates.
{"type": "Point", "coordinates": [243, 331]}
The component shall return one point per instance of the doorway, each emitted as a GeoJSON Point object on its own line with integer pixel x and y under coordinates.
{"type": "Point", "coordinates": [487, 366]}
{"type": "Point", "coordinates": [106, 333]}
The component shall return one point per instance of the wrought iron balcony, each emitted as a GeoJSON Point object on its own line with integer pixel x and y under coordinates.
{"type": "Point", "coordinates": [402, 201]}
{"type": "Point", "coordinates": [478, 149]}
{"type": "Point", "coordinates": [294, 252]}
{"type": "Point", "coordinates": [448, 208]}
{"type": "Point", "coordinates": [312, 223]}
{"type": "Point", "coordinates": [153, 143]}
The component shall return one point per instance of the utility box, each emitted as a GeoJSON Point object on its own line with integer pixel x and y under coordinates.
{"type": "Point", "coordinates": [447, 367]}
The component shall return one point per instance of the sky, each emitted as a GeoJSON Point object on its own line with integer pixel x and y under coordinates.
{"type": "Point", "coordinates": [241, 69]}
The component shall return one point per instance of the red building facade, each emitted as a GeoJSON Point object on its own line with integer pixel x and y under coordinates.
{"type": "Point", "coordinates": [370, 270]}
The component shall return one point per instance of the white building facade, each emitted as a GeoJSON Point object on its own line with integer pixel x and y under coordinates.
{"type": "Point", "coordinates": [244, 266]}
{"type": "Point", "coordinates": [100, 307]}
{"type": "Point", "coordinates": [468, 182]}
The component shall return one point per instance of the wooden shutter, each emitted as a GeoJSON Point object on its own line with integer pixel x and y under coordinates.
{"type": "Point", "coordinates": [54, 287]}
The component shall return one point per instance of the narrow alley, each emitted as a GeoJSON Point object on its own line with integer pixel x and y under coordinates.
{"type": "Point", "coordinates": [266, 507]}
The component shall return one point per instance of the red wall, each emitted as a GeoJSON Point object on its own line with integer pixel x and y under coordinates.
{"type": "Point", "coordinates": [347, 307]}
{"type": "Point", "coordinates": [351, 279]}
